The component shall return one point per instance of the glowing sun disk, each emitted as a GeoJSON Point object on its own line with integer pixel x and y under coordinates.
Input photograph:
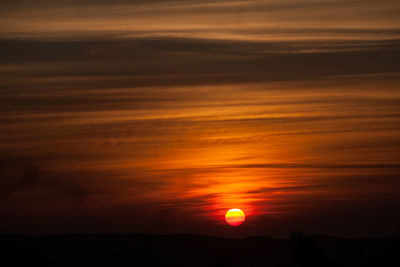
{"type": "Point", "coordinates": [235, 217]}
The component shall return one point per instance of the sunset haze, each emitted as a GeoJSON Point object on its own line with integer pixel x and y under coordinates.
{"type": "Point", "coordinates": [160, 116]}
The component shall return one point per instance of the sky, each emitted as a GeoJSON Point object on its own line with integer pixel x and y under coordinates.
{"type": "Point", "coordinates": [159, 116]}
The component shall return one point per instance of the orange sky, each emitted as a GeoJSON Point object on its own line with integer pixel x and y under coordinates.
{"type": "Point", "coordinates": [158, 116]}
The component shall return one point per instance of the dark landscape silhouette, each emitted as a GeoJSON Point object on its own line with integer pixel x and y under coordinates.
{"type": "Point", "coordinates": [196, 250]}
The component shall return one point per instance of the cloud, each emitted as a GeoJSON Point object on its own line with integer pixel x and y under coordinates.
{"type": "Point", "coordinates": [207, 19]}
{"type": "Point", "coordinates": [269, 190]}
{"type": "Point", "coordinates": [175, 61]}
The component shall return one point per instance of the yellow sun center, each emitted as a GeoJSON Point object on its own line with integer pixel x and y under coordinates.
{"type": "Point", "coordinates": [235, 217]}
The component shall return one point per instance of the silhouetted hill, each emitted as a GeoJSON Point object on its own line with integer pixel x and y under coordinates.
{"type": "Point", "coordinates": [196, 250]}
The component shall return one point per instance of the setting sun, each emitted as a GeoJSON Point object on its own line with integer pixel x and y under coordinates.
{"type": "Point", "coordinates": [235, 217]}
